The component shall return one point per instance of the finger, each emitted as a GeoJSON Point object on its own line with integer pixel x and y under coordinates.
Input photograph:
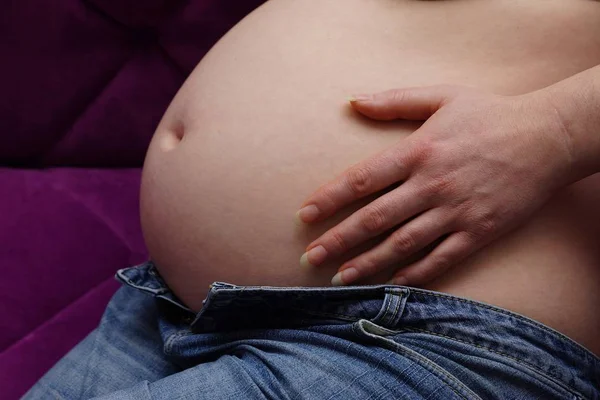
{"type": "Point", "coordinates": [363, 179]}
{"type": "Point", "coordinates": [451, 251]}
{"type": "Point", "coordinates": [417, 103]}
{"type": "Point", "coordinates": [406, 241]}
{"type": "Point", "coordinates": [379, 216]}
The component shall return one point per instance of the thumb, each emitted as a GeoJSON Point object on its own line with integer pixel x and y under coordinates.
{"type": "Point", "coordinates": [417, 103]}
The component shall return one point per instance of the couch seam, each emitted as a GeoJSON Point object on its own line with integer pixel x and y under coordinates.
{"type": "Point", "coordinates": [95, 214]}
{"type": "Point", "coordinates": [164, 53]}
{"type": "Point", "coordinates": [43, 155]}
{"type": "Point", "coordinates": [104, 15]}
{"type": "Point", "coordinates": [56, 314]}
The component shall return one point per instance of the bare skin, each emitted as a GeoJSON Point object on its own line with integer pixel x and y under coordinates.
{"type": "Point", "coordinates": [480, 166]}
{"type": "Point", "coordinates": [262, 122]}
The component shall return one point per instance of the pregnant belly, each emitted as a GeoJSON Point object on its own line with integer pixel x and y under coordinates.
{"type": "Point", "coordinates": [262, 122]}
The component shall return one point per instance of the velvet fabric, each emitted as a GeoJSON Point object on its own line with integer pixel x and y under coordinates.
{"type": "Point", "coordinates": [83, 85]}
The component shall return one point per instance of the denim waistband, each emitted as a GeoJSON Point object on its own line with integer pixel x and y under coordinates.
{"type": "Point", "coordinates": [394, 308]}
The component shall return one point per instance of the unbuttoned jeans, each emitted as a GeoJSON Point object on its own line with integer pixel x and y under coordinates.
{"type": "Point", "coordinates": [361, 342]}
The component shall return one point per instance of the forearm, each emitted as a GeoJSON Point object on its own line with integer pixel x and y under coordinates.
{"type": "Point", "coordinates": [576, 102]}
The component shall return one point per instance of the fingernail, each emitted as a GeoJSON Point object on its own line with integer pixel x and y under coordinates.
{"type": "Point", "coordinates": [359, 97]}
{"type": "Point", "coordinates": [313, 257]}
{"type": "Point", "coordinates": [344, 277]}
{"type": "Point", "coordinates": [308, 213]}
{"type": "Point", "coordinates": [400, 281]}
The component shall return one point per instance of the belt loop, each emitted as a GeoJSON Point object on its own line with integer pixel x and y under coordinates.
{"type": "Point", "coordinates": [392, 308]}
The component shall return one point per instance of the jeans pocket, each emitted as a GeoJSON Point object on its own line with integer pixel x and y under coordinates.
{"type": "Point", "coordinates": [537, 382]}
{"type": "Point", "coordinates": [375, 334]}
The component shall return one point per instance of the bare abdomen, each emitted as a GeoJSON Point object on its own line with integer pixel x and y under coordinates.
{"type": "Point", "coordinates": [262, 122]}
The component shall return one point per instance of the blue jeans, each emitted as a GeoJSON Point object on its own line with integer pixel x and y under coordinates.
{"type": "Point", "coordinates": [366, 342]}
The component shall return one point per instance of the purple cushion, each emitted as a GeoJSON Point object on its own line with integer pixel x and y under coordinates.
{"type": "Point", "coordinates": [74, 72]}
{"type": "Point", "coordinates": [84, 84]}
{"type": "Point", "coordinates": [64, 233]}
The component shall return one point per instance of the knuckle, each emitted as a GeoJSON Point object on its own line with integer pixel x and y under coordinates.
{"type": "Point", "coordinates": [359, 181]}
{"type": "Point", "coordinates": [486, 226]}
{"type": "Point", "coordinates": [373, 219]}
{"type": "Point", "coordinates": [472, 236]}
{"type": "Point", "coordinates": [403, 244]}
{"type": "Point", "coordinates": [328, 194]}
{"type": "Point", "coordinates": [421, 151]}
{"type": "Point", "coordinates": [442, 187]}
{"type": "Point", "coordinates": [399, 162]}
{"type": "Point", "coordinates": [441, 262]}
{"type": "Point", "coordinates": [443, 184]}
{"type": "Point", "coordinates": [398, 95]}
{"type": "Point", "coordinates": [339, 243]}
{"type": "Point", "coordinates": [368, 267]}
{"type": "Point", "coordinates": [483, 223]}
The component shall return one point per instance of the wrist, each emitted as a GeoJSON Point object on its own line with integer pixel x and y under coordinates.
{"type": "Point", "coordinates": [550, 144]}
{"type": "Point", "coordinates": [570, 106]}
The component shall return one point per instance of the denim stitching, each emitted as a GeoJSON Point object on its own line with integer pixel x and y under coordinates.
{"type": "Point", "coordinates": [351, 318]}
{"type": "Point", "coordinates": [397, 310]}
{"type": "Point", "coordinates": [519, 361]}
{"type": "Point", "coordinates": [376, 289]}
{"type": "Point", "coordinates": [385, 317]}
{"type": "Point", "coordinates": [445, 377]}
{"type": "Point", "coordinates": [168, 347]}
{"type": "Point", "coordinates": [326, 292]}
{"type": "Point", "coordinates": [526, 320]}
{"type": "Point", "coordinates": [144, 288]}
{"type": "Point", "coordinates": [330, 294]}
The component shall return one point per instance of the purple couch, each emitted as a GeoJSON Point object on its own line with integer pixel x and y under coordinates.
{"type": "Point", "coordinates": [83, 84]}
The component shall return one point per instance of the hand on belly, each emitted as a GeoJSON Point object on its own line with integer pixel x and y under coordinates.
{"type": "Point", "coordinates": [479, 167]}
{"type": "Point", "coordinates": [259, 125]}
